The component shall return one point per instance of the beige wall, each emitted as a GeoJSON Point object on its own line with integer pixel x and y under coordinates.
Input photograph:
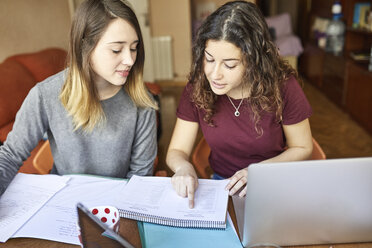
{"type": "Point", "coordinates": [32, 25]}
{"type": "Point", "coordinates": [173, 18]}
{"type": "Point", "coordinates": [217, 3]}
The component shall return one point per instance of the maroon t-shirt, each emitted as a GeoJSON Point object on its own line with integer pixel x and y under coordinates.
{"type": "Point", "coordinates": [233, 140]}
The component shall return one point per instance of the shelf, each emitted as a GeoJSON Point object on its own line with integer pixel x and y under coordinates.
{"type": "Point", "coordinates": [359, 95]}
{"type": "Point", "coordinates": [344, 80]}
{"type": "Point", "coordinates": [363, 67]}
{"type": "Point", "coordinates": [362, 31]}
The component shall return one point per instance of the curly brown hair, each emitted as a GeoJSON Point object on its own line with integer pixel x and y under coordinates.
{"type": "Point", "coordinates": [242, 24]}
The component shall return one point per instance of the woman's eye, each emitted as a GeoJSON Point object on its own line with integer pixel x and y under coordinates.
{"type": "Point", "coordinates": [230, 67]}
{"type": "Point", "coordinates": [116, 51]}
{"type": "Point", "coordinates": [133, 49]}
{"type": "Point", "coordinates": [209, 60]}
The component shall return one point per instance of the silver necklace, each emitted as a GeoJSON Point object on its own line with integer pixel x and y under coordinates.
{"type": "Point", "coordinates": [237, 113]}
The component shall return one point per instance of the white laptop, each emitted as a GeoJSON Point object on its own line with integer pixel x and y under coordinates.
{"type": "Point", "coordinates": [307, 202]}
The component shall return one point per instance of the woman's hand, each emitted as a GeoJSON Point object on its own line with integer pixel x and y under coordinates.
{"type": "Point", "coordinates": [237, 182]}
{"type": "Point", "coordinates": [185, 180]}
{"type": "Point", "coordinates": [185, 183]}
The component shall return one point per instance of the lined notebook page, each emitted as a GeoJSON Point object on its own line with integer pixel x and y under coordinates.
{"type": "Point", "coordinates": [152, 199]}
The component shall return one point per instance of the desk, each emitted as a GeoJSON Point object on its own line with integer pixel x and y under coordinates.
{"type": "Point", "coordinates": [129, 230]}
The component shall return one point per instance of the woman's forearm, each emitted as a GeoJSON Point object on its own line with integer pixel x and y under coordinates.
{"type": "Point", "coordinates": [177, 159]}
{"type": "Point", "coordinates": [292, 154]}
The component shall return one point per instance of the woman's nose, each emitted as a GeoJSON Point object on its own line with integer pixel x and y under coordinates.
{"type": "Point", "coordinates": [127, 58]}
{"type": "Point", "coordinates": [216, 72]}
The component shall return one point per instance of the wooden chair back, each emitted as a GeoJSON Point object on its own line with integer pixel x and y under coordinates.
{"type": "Point", "coordinates": [202, 150]}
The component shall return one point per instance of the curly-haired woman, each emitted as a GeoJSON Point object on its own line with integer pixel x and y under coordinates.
{"type": "Point", "coordinates": [245, 98]}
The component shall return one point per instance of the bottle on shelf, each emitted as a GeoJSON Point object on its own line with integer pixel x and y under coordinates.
{"type": "Point", "coordinates": [335, 31]}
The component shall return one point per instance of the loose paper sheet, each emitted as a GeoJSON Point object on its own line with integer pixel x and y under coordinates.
{"type": "Point", "coordinates": [57, 220]}
{"type": "Point", "coordinates": [25, 195]}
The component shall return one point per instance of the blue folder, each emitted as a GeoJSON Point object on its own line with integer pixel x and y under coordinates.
{"type": "Point", "coordinates": [154, 236]}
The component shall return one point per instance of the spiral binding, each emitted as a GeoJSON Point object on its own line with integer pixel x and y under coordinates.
{"type": "Point", "coordinates": [171, 221]}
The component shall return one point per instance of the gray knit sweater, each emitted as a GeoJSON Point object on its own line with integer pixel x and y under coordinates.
{"type": "Point", "coordinates": [124, 146]}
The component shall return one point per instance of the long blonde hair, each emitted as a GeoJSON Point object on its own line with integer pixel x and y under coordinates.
{"type": "Point", "coordinates": [79, 94]}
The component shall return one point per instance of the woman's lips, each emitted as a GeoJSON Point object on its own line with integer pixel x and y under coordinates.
{"type": "Point", "coordinates": [123, 73]}
{"type": "Point", "coordinates": [217, 85]}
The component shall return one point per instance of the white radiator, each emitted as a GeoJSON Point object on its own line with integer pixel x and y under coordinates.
{"type": "Point", "coordinates": [162, 57]}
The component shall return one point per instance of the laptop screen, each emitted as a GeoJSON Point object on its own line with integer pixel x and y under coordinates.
{"type": "Point", "coordinates": [94, 234]}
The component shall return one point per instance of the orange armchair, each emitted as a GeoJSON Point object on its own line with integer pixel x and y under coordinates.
{"type": "Point", "coordinates": [201, 153]}
{"type": "Point", "coordinates": [19, 73]}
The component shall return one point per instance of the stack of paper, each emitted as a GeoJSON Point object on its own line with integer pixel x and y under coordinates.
{"type": "Point", "coordinates": [58, 218]}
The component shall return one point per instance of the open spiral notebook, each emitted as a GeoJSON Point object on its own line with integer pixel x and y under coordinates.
{"type": "Point", "coordinates": [152, 199]}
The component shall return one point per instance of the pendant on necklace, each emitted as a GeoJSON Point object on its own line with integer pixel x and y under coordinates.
{"type": "Point", "coordinates": [236, 113]}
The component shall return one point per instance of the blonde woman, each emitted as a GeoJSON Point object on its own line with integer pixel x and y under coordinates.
{"type": "Point", "coordinates": [98, 115]}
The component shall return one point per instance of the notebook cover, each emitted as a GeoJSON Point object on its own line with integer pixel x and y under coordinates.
{"type": "Point", "coordinates": [154, 235]}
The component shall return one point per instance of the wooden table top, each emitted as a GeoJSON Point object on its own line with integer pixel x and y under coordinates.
{"type": "Point", "coordinates": [129, 230]}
